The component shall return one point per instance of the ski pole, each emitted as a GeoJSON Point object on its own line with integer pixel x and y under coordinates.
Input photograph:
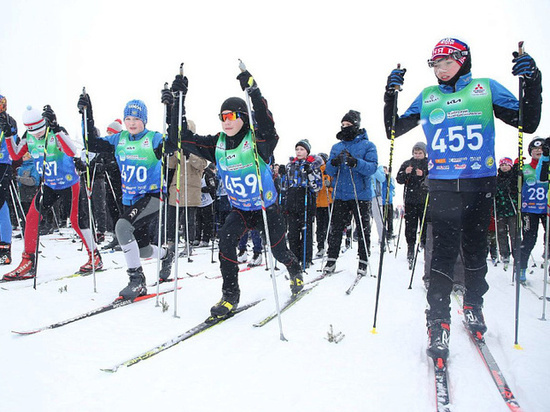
{"type": "Point", "coordinates": [397, 89]}
{"type": "Point", "coordinates": [325, 255]}
{"type": "Point", "coordinates": [178, 183]}
{"type": "Point", "coordinates": [517, 262]}
{"type": "Point", "coordinates": [399, 232]}
{"type": "Point", "coordinates": [496, 225]}
{"type": "Point", "coordinates": [304, 251]}
{"type": "Point", "coordinates": [40, 202]}
{"type": "Point", "coordinates": [360, 218]}
{"type": "Point", "coordinates": [89, 189]}
{"type": "Point", "coordinates": [420, 238]}
{"type": "Point", "coordinates": [242, 67]}
{"type": "Point", "coordinates": [546, 247]}
{"type": "Point", "coordinates": [161, 198]}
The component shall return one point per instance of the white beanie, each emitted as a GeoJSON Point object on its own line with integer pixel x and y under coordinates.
{"type": "Point", "coordinates": [33, 121]}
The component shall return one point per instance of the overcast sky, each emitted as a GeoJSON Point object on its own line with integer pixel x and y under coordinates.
{"type": "Point", "coordinates": [313, 60]}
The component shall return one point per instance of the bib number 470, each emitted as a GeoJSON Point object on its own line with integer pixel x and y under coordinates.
{"type": "Point", "coordinates": [457, 139]}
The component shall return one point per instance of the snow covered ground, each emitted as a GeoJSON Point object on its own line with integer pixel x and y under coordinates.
{"type": "Point", "coordinates": [237, 367]}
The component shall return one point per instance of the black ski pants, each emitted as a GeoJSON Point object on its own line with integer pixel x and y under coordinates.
{"type": "Point", "coordinates": [413, 220]}
{"type": "Point", "coordinates": [238, 223]}
{"type": "Point", "coordinates": [297, 222]}
{"type": "Point", "coordinates": [530, 230]}
{"type": "Point", "coordinates": [341, 215]}
{"type": "Point", "coordinates": [456, 217]}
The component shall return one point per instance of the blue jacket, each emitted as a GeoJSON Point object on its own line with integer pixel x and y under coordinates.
{"type": "Point", "coordinates": [380, 185]}
{"type": "Point", "coordinates": [367, 162]}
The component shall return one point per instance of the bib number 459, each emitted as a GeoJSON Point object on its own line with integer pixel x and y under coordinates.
{"type": "Point", "coordinates": [457, 139]}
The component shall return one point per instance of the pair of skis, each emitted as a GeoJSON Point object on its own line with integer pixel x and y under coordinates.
{"type": "Point", "coordinates": [442, 391]}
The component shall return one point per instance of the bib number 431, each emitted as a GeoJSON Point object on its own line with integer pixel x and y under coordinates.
{"type": "Point", "coordinates": [458, 138]}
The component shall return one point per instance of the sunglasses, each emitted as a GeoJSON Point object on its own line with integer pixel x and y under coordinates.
{"type": "Point", "coordinates": [230, 116]}
{"type": "Point", "coordinates": [456, 55]}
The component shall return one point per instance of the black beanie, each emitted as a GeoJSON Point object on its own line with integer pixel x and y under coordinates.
{"type": "Point", "coordinates": [354, 117]}
{"type": "Point", "coordinates": [305, 144]}
{"type": "Point", "coordinates": [235, 104]}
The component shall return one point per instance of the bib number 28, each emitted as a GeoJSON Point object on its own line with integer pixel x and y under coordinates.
{"type": "Point", "coordinates": [458, 138]}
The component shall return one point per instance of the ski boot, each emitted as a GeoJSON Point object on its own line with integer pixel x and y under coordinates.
{"type": "Point", "coordinates": [5, 253]}
{"type": "Point", "coordinates": [296, 283]}
{"type": "Point", "coordinates": [112, 244]}
{"type": "Point", "coordinates": [166, 265]}
{"type": "Point", "coordinates": [473, 317]}
{"type": "Point", "coordinates": [227, 304]}
{"type": "Point", "coordinates": [89, 265]}
{"type": "Point", "coordinates": [136, 287]}
{"type": "Point", "coordinates": [439, 331]}
{"type": "Point", "coordinates": [410, 256]}
{"type": "Point", "coordinates": [25, 270]}
{"type": "Point", "coordinates": [256, 260]}
{"type": "Point", "coordinates": [242, 257]}
{"type": "Point", "coordinates": [362, 269]}
{"type": "Point", "coordinates": [522, 276]}
{"type": "Point", "coordinates": [319, 253]}
{"type": "Point", "coordinates": [330, 267]}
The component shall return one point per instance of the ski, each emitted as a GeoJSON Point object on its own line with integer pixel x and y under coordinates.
{"type": "Point", "coordinates": [170, 280]}
{"type": "Point", "coordinates": [289, 303]}
{"type": "Point", "coordinates": [355, 283]}
{"type": "Point", "coordinates": [117, 303]}
{"type": "Point", "coordinates": [442, 393]}
{"type": "Point", "coordinates": [201, 327]}
{"type": "Point", "coordinates": [534, 292]}
{"type": "Point", "coordinates": [241, 270]}
{"type": "Point", "coordinates": [321, 277]}
{"type": "Point", "coordinates": [494, 370]}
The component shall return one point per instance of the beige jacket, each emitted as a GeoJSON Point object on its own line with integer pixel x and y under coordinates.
{"type": "Point", "coordinates": [195, 169]}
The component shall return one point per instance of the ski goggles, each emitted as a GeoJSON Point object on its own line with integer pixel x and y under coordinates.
{"type": "Point", "coordinates": [455, 55]}
{"type": "Point", "coordinates": [230, 116]}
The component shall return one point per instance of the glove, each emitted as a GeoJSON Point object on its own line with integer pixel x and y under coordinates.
{"type": "Point", "coordinates": [546, 147]}
{"type": "Point", "coordinates": [84, 102]}
{"type": "Point", "coordinates": [524, 65]}
{"type": "Point", "coordinates": [282, 170]}
{"type": "Point", "coordinates": [180, 84]}
{"type": "Point", "coordinates": [338, 160]}
{"type": "Point", "coordinates": [49, 115]}
{"type": "Point", "coordinates": [7, 124]}
{"type": "Point", "coordinates": [307, 167]}
{"type": "Point", "coordinates": [167, 97]}
{"type": "Point", "coordinates": [396, 78]}
{"type": "Point", "coordinates": [247, 81]}
{"type": "Point", "coordinates": [351, 161]}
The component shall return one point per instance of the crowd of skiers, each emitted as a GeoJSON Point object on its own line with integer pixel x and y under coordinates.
{"type": "Point", "coordinates": [228, 185]}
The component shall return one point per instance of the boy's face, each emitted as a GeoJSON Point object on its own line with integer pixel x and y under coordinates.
{"type": "Point", "coordinates": [301, 153]}
{"type": "Point", "coordinates": [134, 125]}
{"type": "Point", "coordinates": [418, 154]}
{"type": "Point", "coordinates": [446, 68]}
{"type": "Point", "coordinates": [536, 152]}
{"type": "Point", "coordinates": [231, 127]}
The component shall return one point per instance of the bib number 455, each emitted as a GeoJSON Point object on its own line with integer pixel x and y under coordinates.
{"type": "Point", "coordinates": [457, 139]}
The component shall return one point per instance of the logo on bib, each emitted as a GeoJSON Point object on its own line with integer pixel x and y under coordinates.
{"type": "Point", "coordinates": [437, 116]}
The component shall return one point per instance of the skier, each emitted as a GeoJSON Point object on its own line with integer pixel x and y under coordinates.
{"type": "Point", "coordinates": [506, 204]}
{"type": "Point", "coordinates": [8, 127]}
{"type": "Point", "coordinates": [54, 152]}
{"type": "Point", "coordinates": [533, 205]}
{"type": "Point", "coordinates": [303, 180]}
{"type": "Point", "coordinates": [233, 152]}
{"type": "Point", "coordinates": [322, 210]}
{"type": "Point", "coordinates": [351, 164]}
{"type": "Point", "coordinates": [412, 174]}
{"type": "Point", "coordinates": [138, 152]}
{"type": "Point", "coordinates": [458, 121]}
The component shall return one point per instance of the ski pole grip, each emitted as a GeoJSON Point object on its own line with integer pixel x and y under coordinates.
{"type": "Point", "coordinates": [181, 69]}
{"type": "Point", "coordinates": [84, 93]}
{"type": "Point", "coordinates": [398, 87]}
{"type": "Point", "coordinates": [242, 66]}
{"type": "Point", "coordinates": [520, 48]}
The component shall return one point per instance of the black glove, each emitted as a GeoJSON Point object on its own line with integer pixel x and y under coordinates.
{"type": "Point", "coordinates": [7, 125]}
{"type": "Point", "coordinates": [282, 170]}
{"type": "Point", "coordinates": [205, 189]}
{"type": "Point", "coordinates": [247, 81]}
{"type": "Point", "coordinates": [84, 102]}
{"type": "Point", "coordinates": [524, 65]}
{"type": "Point", "coordinates": [167, 97]}
{"type": "Point", "coordinates": [350, 160]}
{"type": "Point", "coordinates": [180, 84]}
{"type": "Point", "coordinates": [396, 78]}
{"type": "Point", "coordinates": [546, 147]}
{"type": "Point", "coordinates": [51, 119]}
{"type": "Point", "coordinates": [338, 160]}
{"type": "Point", "coordinates": [307, 167]}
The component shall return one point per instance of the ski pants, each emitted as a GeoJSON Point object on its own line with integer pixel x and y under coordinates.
{"type": "Point", "coordinates": [530, 230]}
{"type": "Point", "coordinates": [256, 241]}
{"type": "Point", "coordinates": [78, 222]}
{"type": "Point", "coordinates": [205, 223]}
{"type": "Point", "coordinates": [237, 224]}
{"type": "Point", "coordinates": [506, 227]}
{"type": "Point", "coordinates": [413, 220]}
{"type": "Point", "coordinates": [191, 227]}
{"type": "Point", "coordinates": [458, 218]}
{"type": "Point", "coordinates": [300, 229]}
{"type": "Point", "coordinates": [341, 215]}
{"type": "Point", "coordinates": [5, 221]}
{"type": "Point", "coordinates": [322, 215]}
